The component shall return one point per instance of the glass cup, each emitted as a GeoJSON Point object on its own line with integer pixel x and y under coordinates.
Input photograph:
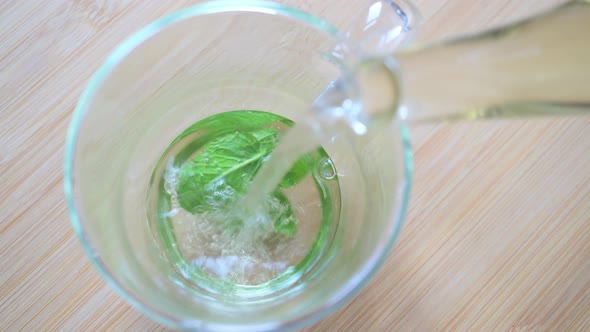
{"type": "Point", "coordinates": [207, 59]}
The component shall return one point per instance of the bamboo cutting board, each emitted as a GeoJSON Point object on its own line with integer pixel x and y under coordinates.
{"type": "Point", "coordinates": [497, 236]}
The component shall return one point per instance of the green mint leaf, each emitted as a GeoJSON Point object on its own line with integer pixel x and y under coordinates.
{"type": "Point", "coordinates": [280, 211]}
{"type": "Point", "coordinates": [237, 143]}
{"type": "Point", "coordinates": [223, 123]}
{"type": "Point", "coordinates": [298, 171]}
{"type": "Point", "coordinates": [222, 170]}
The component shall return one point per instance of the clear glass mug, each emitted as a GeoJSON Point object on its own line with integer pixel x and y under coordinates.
{"type": "Point", "coordinates": [204, 60]}
{"type": "Point", "coordinates": [269, 57]}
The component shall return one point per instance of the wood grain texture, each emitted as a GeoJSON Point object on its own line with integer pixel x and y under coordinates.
{"type": "Point", "coordinates": [497, 237]}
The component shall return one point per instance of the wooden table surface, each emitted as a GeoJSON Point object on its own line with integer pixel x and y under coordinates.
{"type": "Point", "coordinates": [498, 232]}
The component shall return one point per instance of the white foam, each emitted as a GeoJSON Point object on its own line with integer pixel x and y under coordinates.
{"type": "Point", "coordinates": [238, 254]}
{"type": "Point", "coordinates": [237, 266]}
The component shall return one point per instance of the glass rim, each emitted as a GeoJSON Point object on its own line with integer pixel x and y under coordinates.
{"type": "Point", "coordinates": [344, 295]}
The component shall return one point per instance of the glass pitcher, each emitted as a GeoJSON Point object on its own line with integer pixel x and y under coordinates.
{"type": "Point", "coordinates": [537, 66]}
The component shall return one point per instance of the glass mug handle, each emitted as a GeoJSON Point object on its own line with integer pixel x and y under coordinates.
{"type": "Point", "coordinates": [380, 29]}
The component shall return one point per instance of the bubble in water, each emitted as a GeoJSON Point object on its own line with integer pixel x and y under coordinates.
{"type": "Point", "coordinates": [326, 169]}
